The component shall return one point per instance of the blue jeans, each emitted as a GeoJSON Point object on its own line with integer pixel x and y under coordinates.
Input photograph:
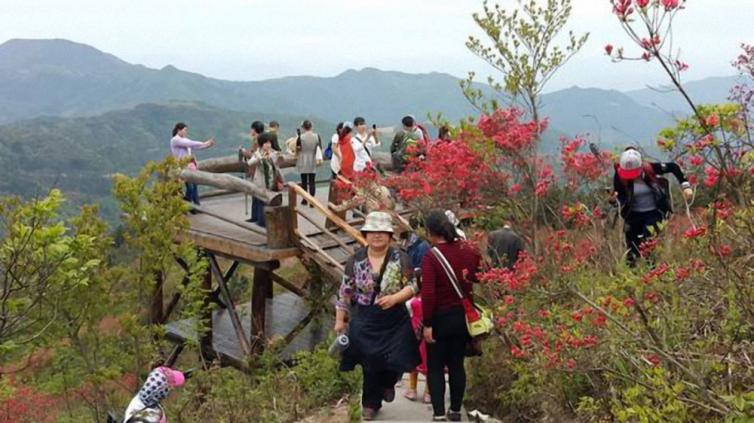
{"type": "Point", "coordinates": [257, 212]}
{"type": "Point", "coordinates": [192, 193]}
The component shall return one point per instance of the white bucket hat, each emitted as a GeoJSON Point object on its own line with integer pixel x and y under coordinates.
{"type": "Point", "coordinates": [378, 222]}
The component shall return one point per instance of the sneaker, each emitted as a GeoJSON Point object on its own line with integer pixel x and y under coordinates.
{"type": "Point", "coordinates": [368, 413]}
{"type": "Point", "coordinates": [454, 416]}
{"type": "Point", "coordinates": [410, 395]}
{"type": "Point", "coordinates": [251, 220]}
{"type": "Point", "coordinates": [389, 395]}
{"type": "Point", "coordinates": [439, 419]}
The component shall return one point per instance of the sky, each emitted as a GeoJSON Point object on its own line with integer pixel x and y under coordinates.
{"type": "Point", "coordinates": [262, 39]}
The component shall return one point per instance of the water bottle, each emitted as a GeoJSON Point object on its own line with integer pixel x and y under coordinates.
{"type": "Point", "coordinates": [339, 345]}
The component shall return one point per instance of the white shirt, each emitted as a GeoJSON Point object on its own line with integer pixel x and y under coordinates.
{"type": "Point", "coordinates": [362, 150]}
{"type": "Point", "coordinates": [370, 142]}
{"type": "Point", "coordinates": [361, 156]}
{"type": "Point", "coordinates": [335, 160]}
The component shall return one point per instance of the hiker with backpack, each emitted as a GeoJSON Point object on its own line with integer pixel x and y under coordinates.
{"type": "Point", "coordinates": [643, 197]}
{"type": "Point", "coordinates": [406, 141]}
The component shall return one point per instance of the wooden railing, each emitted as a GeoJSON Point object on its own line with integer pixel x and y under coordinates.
{"type": "Point", "coordinates": [294, 192]}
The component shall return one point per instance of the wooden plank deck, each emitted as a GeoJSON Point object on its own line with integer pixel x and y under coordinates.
{"type": "Point", "coordinates": [283, 313]}
{"type": "Point", "coordinates": [229, 240]}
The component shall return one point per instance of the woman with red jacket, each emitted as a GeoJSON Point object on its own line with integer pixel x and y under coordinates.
{"type": "Point", "coordinates": [347, 155]}
{"type": "Point", "coordinates": [444, 318]}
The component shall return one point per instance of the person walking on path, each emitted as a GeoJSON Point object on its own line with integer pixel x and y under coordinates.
{"type": "Point", "coordinates": [644, 197]}
{"type": "Point", "coordinates": [378, 281]}
{"type": "Point", "coordinates": [308, 157]}
{"type": "Point", "coordinates": [181, 146]}
{"type": "Point", "coordinates": [266, 172]}
{"type": "Point", "coordinates": [445, 330]}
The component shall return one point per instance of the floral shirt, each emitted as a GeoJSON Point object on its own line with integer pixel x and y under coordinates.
{"type": "Point", "coordinates": [358, 285]}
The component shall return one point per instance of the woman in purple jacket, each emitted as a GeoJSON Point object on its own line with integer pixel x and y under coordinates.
{"type": "Point", "coordinates": [180, 147]}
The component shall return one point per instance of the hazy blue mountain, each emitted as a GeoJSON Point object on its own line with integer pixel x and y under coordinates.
{"type": "Point", "coordinates": [709, 90]}
{"type": "Point", "coordinates": [78, 155]}
{"type": "Point", "coordinates": [606, 116]}
{"type": "Point", "coordinates": [62, 78]}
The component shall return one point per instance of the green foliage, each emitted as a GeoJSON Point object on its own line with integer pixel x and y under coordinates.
{"type": "Point", "coordinates": [272, 392]}
{"type": "Point", "coordinates": [45, 265]}
{"type": "Point", "coordinates": [522, 48]}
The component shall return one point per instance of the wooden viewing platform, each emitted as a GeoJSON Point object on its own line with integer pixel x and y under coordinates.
{"type": "Point", "coordinates": [322, 239]}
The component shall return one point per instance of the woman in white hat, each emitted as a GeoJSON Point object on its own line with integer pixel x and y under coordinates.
{"type": "Point", "coordinates": [378, 281]}
{"type": "Point", "coordinates": [643, 197]}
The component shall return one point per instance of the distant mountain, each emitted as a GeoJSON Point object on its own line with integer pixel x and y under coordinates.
{"type": "Point", "coordinates": [63, 78]}
{"type": "Point", "coordinates": [78, 155]}
{"type": "Point", "coordinates": [66, 79]}
{"type": "Point", "coordinates": [607, 116]}
{"type": "Point", "coordinates": [709, 90]}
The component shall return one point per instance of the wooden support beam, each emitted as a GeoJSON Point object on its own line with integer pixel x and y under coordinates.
{"type": "Point", "coordinates": [156, 309]}
{"type": "Point", "coordinates": [234, 319]}
{"type": "Point", "coordinates": [287, 285]}
{"type": "Point", "coordinates": [173, 357]}
{"type": "Point", "coordinates": [279, 234]}
{"type": "Point", "coordinates": [232, 183]}
{"type": "Point", "coordinates": [174, 301]}
{"type": "Point", "coordinates": [259, 294]}
{"type": "Point", "coordinates": [298, 328]}
{"type": "Point", "coordinates": [206, 348]}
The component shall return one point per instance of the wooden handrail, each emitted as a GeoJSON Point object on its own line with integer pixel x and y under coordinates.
{"type": "Point", "coordinates": [232, 183]}
{"type": "Point", "coordinates": [342, 224]}
{"type": "Point", "coordinates": [400, 219]}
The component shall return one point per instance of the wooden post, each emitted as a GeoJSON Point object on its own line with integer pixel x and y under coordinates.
{"type": "Point", "coordinates": [156, 309]}
{"type": "Point", "coordinates": [278, 227]}
{"type": "Point", "coordinates": [206, 347]}
{"type": "Point", "coordinates": [260, 292]}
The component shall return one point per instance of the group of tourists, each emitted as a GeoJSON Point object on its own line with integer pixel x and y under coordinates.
{"type": "Point", "coordinates": [402, 304]}
{"type": "Point", "coordinates": [387, 337]}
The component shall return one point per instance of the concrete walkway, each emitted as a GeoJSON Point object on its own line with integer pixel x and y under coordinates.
{"type": "Point", "coordinates": [403, 410]}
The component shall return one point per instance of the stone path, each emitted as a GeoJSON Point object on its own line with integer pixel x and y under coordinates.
{"type": "Point", "coordinates": [403, 410]}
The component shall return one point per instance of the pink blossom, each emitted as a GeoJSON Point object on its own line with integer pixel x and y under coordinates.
{"type": "Point", "coordinates": [609, 49]}
{"type": "Point", "coordinates": [670, 4]}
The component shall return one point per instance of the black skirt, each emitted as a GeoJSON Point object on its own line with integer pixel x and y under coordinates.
{"type": "Point", "coordinates": [381, 340]}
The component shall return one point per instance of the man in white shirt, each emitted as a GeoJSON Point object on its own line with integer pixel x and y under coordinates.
{"type": "Point", "coordinates": [363, 143]}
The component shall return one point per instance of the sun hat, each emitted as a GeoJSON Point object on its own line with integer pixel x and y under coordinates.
{"type": "Point", "coordinates": [630, 165]}
{"type": "Point", "coordinates": [378, 222]}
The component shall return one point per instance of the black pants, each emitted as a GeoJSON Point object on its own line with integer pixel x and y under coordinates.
{"type": "Point", "coordinates": [308, 184]}
{"type": "Point", "coordinates": [374, 386]}
{"type": "Point", "coordinates": [640, 226]}
{"type": "Point", "coordinates": [450, 333]}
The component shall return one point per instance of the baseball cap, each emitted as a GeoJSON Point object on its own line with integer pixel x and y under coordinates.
{"type": "Point", "coordinates": [630, 165]}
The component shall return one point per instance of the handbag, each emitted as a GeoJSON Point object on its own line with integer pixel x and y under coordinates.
{"type": "Point", "coordinates": [478, 318]}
